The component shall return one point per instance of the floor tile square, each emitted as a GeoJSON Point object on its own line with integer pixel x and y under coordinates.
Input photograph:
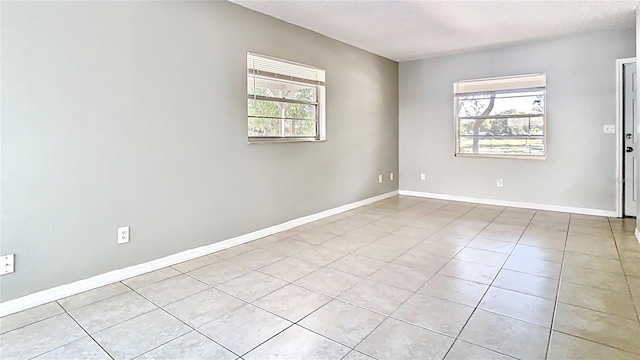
{"type": "Point", "coordinates": [329, 281]}
{"type": "Point", "coordinates": [595, 278]}
{"type": "Point", "coordinates": [244, 329]}
{"type": "Point", "coordinates": [219, 272]}
{"type": "Point", "coordinates": [196, 263]}
{"type": "Point", "coordinates": [297, 343]}
{"type": "Point", "coordinates": [91, 296]}
{"type": "Point", "coordinates": [314, 236]}
{"type": "Point", "coordinates": [201, 308]}
{"type": "Point", "coordinates": [357, 265]}
{"type": "Point", "coordinates": [289, 269]}
{"type": "Point", "coordinates": [257, 258]}
{"type": "Point", "coordinates": [401, 276]}
{"type": "Point", "coordinates": [285, 247]}
{"type": "Point", "coordinates": [40, 337]}
{"type": "Point", "coordinates": [140, 334]}
{"type": "Point", "coordinates": [565, 346]}
{"type": "Point", "coordinates": [465, 351]}
{"type": "Point", "coordinates": [435, 314]}
{"type": "Point", "coordinates": [443, 249]}
{"type": "Point", "coordinates": [356, 355]}
{"type": "Point", "coordinates": [492, 245]}
{"type": "Point", "coordinates": [345, 244]}
{"type": "Point", "coordinates": [517, 305]}
{"type": "Point", "coordinates": [484, 257]}
{"type": "Point", "coordinates": [342, 322]}
{"type": "Point", "coordinates": [29, 316]}
{"type": "Point", "coordinates": [612, 302]}
{"type": "Point", "coordinates": [454, 289]}
{"type": "Point", "coordinates": [292, 302]}
{"type": "Point", "coordinates": [252, 286]}
{"type": "Point", "coordinates": [85, 349]}
{"type": "Point", "coordinates": [538, 253]}
{"type": "Point", "coordinates": [173, 289]}
{"type": "Point", "coordinates": [106, 313]}
{"type": "Point", "coordinates": [235, 251]}
{"type": "Point", "coordinates": [398, 340]}
{"type": "Point", "coordinates": [599, 327]}
{"type": "Point", "coordinates": [380, 252]}
{"type": "Point", "coordinates": [151, 277]}
{"type": "Point", "coordinates": [320, 255]}
{"type": "Point", "coordinates": [425, 262]}
{"type": "Point", "coordinates": [470, 271]}
{"type": "Point", "coordinates": [593, 262]}
{"type": "Point", "coordinates": [506, 335]}
{"type": "Point", "coordinates": [375, 296]}
{"type": "Point", "coordinates": [540, 286]}
{"type": "Point", "coordinates": [192, 345]}
{"type": "Point", "coordinates": [533, 266]}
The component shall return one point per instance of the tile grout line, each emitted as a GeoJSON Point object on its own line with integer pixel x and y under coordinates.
{"type": "Point", "coordinates": [489, 287]}
{"type": "Point", "coordinates": [555, 303]}
{"type": "Point", "coordinates": [403, 302]}
{"type": "Point", "coordinates": [183, 322]}
{"type": "Point", "coordinates": [86, 332]}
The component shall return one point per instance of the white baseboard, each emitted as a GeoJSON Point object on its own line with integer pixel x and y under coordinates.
{"type": "Point", "coordinates": [516, 204]}
{"type": "Point", "coordinates": [637, 233]}
{"type": "Point", "coordinates": [59, 292]}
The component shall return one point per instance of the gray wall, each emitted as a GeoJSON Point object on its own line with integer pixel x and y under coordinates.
{"type": "Point", "coordinates": [134, 113]}
{"type": "Point", "coordinates": [581, 97]}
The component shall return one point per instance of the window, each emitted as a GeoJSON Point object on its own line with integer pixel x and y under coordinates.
{"type": "Point", "coordinates": [501, 117]}
{"type": "Point", "coordinates": [285, 101]}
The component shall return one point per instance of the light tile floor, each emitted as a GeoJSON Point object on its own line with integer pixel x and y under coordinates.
{"type": "Point", "coordinates": [404, 278]}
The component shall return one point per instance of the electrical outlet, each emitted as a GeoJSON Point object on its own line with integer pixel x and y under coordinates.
{"type": "Point", "coordinates": [380, 179]}
{"type": "Point", "coordinates": [423, 177]}
{"type": "Point", "coordinates": [123, 234]}
{"type": "Point", "coordinates": [609, 129]}
{"type": "Point", "coordinates": [391, 176]}
{"type": "Point", "coordinates": [499, 183]}
{"type": "Point", "coordinates": [7, 264]}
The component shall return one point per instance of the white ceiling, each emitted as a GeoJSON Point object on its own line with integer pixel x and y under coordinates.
{"type": "Point", "coordinates": [409, 30]}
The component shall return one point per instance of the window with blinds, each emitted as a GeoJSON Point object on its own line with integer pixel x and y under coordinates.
{"type": "Point", "coordinates": [285, 100]}
{"type": "Point", "coordinates": [501, 117]}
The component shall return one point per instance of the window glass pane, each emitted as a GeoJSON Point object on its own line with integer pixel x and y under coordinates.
{"type": "Point", "coordinates": [305, 128]}
{"type": "Point", "coordinates": [506, 136]}
{"type": "Point", "coordinates": [526, 102]}
{"type": "Point", "coordinates": [264, 108]}
{"type": "Point", "coordinates": [264, 127]}
{"type": "Point", "coordinates": [300, 111]}
{"type": "Point", "coordinates": [280, 89]}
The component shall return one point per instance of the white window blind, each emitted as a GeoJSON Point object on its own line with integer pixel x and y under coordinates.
{"type": "Point", "coordinates": [501, 84]}
{"type": "Point", "coordinates": [279, 69]}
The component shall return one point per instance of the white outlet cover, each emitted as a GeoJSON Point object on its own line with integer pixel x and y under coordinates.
{"type": "Point", "coordinates": [499, 183]}
{"type": "Point", "coordinates": [7, 264]}
{"type": "Point", "coordinates": [391, 176]}
{"type": "Point", "coordinates": [380, 178]}
{"type": "Point", "coordinates": [609, 129]}
{"type": "Point", "coordinates": [423, 176]}
{"type": "Point", "coordinates": [123, 234]}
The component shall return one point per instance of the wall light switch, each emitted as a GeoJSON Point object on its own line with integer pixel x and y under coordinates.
{"type": "Point", "coordinates": [123, 234]}
{"type": "Point", "coordinates": [7, 264]}
{"type": "Point", "coordinates": [609, 129]}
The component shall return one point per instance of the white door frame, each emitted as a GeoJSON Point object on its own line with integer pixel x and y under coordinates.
{"type": "Point", "coordinates": [619, 133]}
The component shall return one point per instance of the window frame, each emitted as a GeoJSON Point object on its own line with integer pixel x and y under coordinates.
{"type": "Point", "coordinates": [320, 103]}
{"type": "Point", "coordinates": [456, 123]}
